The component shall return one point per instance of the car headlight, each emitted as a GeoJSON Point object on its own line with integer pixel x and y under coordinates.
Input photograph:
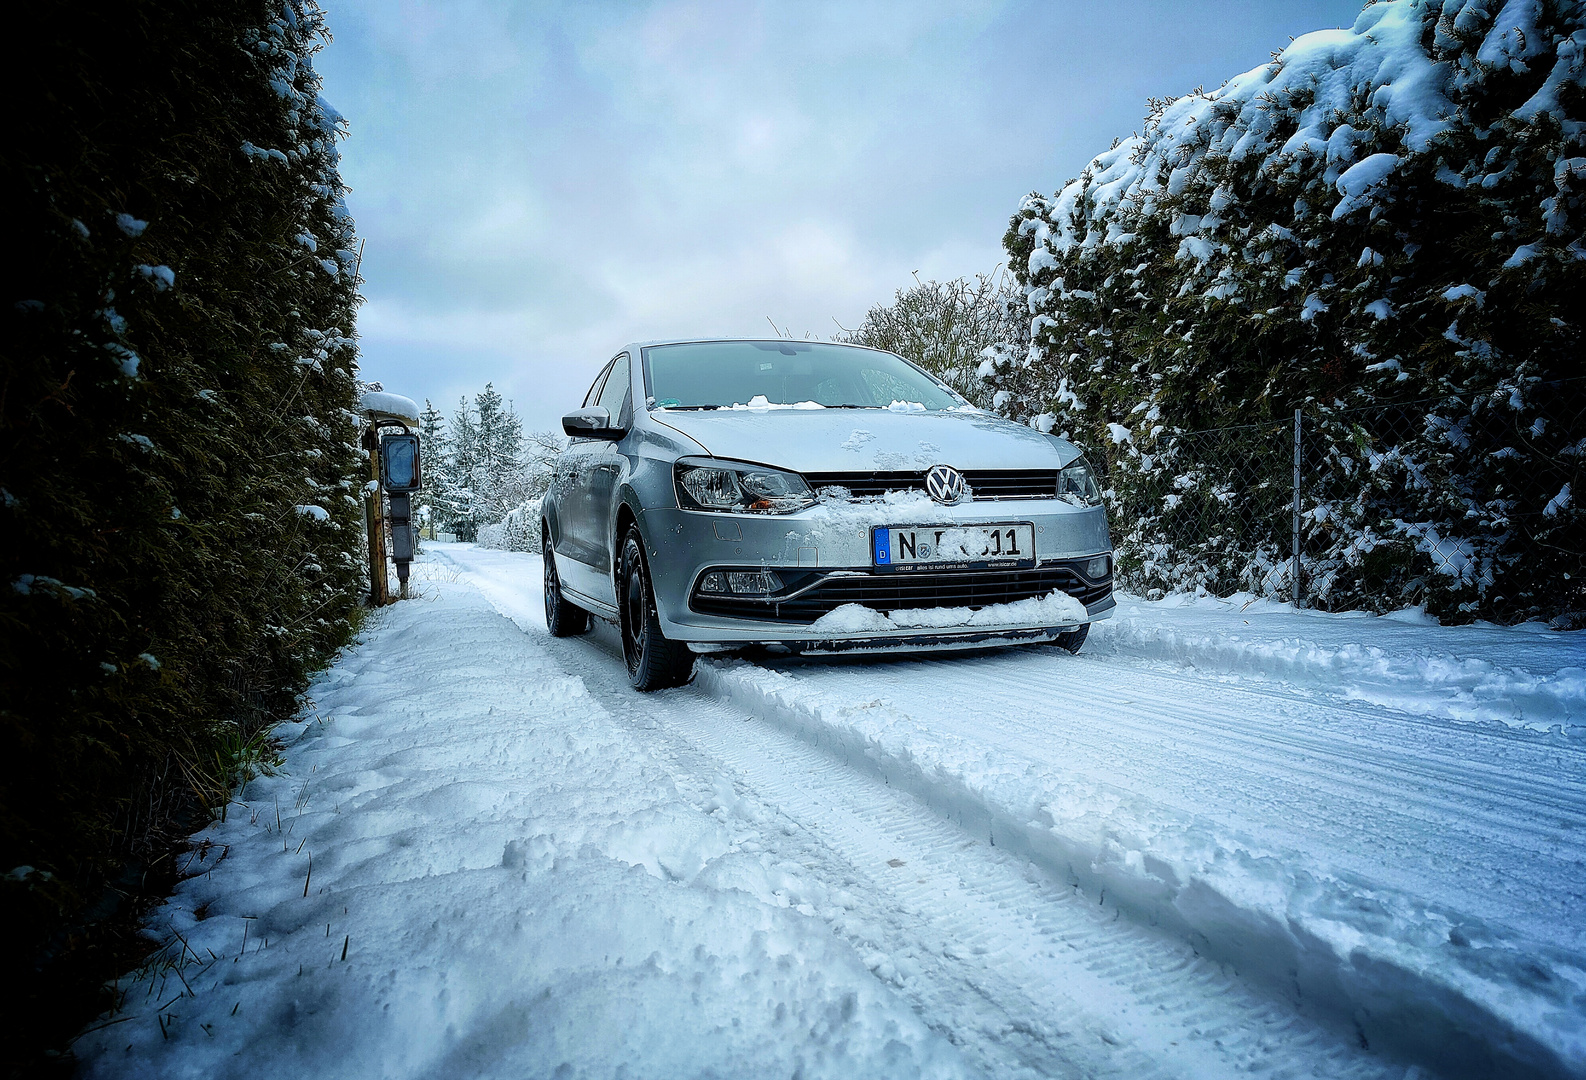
{"type": "Point", "coordinates": [738, 488]}
{"type": "Point", "coordinates": [1076, 484]}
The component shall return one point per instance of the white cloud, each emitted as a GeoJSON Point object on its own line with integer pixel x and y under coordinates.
{"type": "Point", "coordinates": [540, 183]}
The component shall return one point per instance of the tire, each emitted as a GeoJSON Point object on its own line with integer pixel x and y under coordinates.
{"type": "Point", "coordinates": [1072, 640]}
{"type": "Point", "coordinates": [562, 619]}
{"type": "Point", "coordinates": [654, 662]}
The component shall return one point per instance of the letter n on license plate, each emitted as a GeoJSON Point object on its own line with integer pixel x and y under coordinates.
{"type": "Point", "coordinates": [947, 547]}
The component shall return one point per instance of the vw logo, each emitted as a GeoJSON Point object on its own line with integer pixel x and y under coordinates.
{"type": "Point", "coordinates": [945, 484]}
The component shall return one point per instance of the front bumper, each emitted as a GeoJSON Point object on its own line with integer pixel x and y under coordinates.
{"type": "Point", "coordinates": [823, 556]}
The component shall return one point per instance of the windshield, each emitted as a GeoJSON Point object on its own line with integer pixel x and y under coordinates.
{"type": "Point", "coordinates": [767, 374]}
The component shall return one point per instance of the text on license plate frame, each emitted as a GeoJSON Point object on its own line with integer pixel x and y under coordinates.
{"type": "Point", "coordinates": [892, 549]}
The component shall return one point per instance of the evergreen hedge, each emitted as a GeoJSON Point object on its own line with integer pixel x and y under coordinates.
{"type": "Point", "coordinates": [1387, 216]}
{"type": "Point", "coordinates": [179, 471]}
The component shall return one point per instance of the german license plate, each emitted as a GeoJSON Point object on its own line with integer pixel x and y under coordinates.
{"type": "Point", "coordinates": [945, 547]}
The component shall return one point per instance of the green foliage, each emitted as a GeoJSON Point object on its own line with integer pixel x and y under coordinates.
{"type": "Point", "coordinates": [1382, 229]}
{"type": "Point", "coordinates": [176, 396]}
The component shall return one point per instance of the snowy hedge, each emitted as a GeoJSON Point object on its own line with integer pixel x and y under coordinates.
{"type": "Point", "coordinates": [1389, 215]}
{"type": "Point", "coordinates": [181, 476]}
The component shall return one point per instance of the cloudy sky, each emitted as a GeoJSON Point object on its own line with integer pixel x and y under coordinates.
{"type": "Point", "coordinates": [539, 183]}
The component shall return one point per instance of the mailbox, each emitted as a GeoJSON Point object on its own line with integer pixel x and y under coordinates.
{"type": "Point", "coordinates": [399, 463]}
{"type": "Point", "coordinates": [399, 474]}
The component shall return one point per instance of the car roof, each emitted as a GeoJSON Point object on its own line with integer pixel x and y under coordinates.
{"type": "Point", "coordinates": [635, 345]}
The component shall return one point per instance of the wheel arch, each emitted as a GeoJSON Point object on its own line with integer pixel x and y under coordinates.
{"type": "Point", "coordinates": [626, 517]}
{"type": "Point", "coordinates": [550, 522]}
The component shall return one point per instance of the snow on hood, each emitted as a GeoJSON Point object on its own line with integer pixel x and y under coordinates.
{"type": "Point", "coordinates": [869, 440]}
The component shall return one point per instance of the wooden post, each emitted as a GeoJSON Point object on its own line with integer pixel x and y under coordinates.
{"type": "Point", "coordinates": [374, 519]}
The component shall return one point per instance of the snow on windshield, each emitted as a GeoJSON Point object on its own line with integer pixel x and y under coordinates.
{"type": "Point", "coordinates": [787, 374]}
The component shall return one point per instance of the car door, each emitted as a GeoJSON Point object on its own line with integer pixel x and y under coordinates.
{"type": "Point", "coordinates": [606, 466]}
{"type": "Point", "coordinates": [574, 536]}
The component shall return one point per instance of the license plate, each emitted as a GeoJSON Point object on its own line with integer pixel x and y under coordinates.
{"type": "Point", "coordinates": [943, 547]}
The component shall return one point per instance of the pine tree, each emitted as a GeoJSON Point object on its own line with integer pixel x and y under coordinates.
{"type": "Point", "coordinates": [485, 471]}
{"type": "Point", "coordinates": [434, 500]}
{"type": "Point", "coordinates": [497, 482]}
{"type": "Point", "coordinates": [461, 471]}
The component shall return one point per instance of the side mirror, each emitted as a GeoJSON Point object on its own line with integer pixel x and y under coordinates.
{"type": "Point", "coordinates": [592, 423]}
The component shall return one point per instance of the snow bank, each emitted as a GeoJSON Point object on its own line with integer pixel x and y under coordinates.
{"type": "Point", "coordinates": [1525, 676]}
{"type": "Point", "coordinates": [468, 868]}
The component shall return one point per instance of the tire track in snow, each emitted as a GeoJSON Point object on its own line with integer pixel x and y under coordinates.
{"type": "Point", "coordinates": [1027, 975]}
{"type": "Point", "coordinates": [1348, 775]}
{"type": "Point", "coordinates": [1031, 965]}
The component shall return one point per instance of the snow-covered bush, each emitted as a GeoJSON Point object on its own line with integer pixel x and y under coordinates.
{"type": "Point", "coordinates": [1389, 215]}
{"type": "Point", "coordinates": [518, 531]}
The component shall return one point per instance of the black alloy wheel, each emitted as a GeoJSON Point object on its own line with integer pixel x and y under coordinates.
{"type": "Point", "coordinates": [562, 619]}
{"type": "Point", "coordinates": [1073, 639]}
{"type": "Point", "coordinates": [654, 662]}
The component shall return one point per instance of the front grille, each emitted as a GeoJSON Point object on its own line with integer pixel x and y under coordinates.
{"type": "Point", "coordinates": [908, 589]}
{"type": "Point", "coordinates": [985, 483]}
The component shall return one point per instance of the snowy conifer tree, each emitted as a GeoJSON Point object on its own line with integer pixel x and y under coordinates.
{"type": "Point", "coordinates": [434, 501]}
{"type": "Point", "coordinates": [485, 463]}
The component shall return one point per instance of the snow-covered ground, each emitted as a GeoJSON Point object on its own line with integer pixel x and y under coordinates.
{"type": "Point", "coordinates": [1226, 839]}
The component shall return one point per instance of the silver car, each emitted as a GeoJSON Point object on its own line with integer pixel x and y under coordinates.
{"type": "Point", "coordinates": [722, 494]}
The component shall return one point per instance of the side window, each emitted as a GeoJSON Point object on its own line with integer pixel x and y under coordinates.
{"type": "Point", "coordinates": [614, 395]}
{"type": "Point", "coordinates": [593, 397]}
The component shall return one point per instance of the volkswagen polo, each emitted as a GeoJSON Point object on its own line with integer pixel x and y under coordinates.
{"type": "Point", "coordinates": [722, 494]}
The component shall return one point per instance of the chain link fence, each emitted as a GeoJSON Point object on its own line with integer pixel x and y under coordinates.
{"type": "Point", "coordinates": [1467, 505]}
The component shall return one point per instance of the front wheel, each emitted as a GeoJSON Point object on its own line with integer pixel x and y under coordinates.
{"type": "Point", "coordinates": [562, 619]}
{"type": "Point", "coordinates": [1073, 639]}
{"type": "Point", "coordinates": [654, 662]}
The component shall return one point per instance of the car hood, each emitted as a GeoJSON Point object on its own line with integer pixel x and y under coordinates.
{"type": "Point", "coordinates": [869, 440]}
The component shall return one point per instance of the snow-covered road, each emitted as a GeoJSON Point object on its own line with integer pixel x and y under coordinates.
{"type": "Point", "coordinates": [1219, 842]}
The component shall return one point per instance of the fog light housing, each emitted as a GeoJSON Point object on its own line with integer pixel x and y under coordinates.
{"type": "Point", "coordinates": [1097, 567]}
{"type": "Point", "coordinates": [753, 582]}
{"type": "Point", "coordinates": [714, 582]}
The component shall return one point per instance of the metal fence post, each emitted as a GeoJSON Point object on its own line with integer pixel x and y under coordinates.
{"type": "Point", "coordinates": [1299, 594]}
